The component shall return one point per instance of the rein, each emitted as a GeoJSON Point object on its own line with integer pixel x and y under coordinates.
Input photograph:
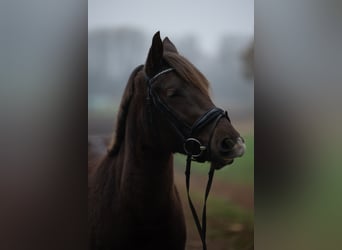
{"type": "Point", "coordinates": [193, 148]}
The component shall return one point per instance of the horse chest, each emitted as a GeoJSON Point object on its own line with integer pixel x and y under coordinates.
{"type": "Point", "coordinates": [153, 225]}
{"type": "Point", "coordinates": [163, 233]}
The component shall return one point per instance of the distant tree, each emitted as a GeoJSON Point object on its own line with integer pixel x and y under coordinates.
{"type": "Point", "coordinates": [248, 58]}
{"type": "Point", "coordinates": [189, 47]}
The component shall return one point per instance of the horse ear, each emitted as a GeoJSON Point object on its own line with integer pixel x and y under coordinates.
{"type": "Point", "coordinates": [169, 46]}
{"type": "Point", "coordinates": [154, 60]}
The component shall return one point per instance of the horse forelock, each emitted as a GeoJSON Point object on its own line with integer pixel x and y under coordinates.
{"type": "Point", "coordinates": [187, 71]}
{"type": "Point", "coordinates": [123, 112]}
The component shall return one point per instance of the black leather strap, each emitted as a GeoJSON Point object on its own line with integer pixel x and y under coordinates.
{"type": "Point", "coordinates": [212, 114]}
{"type": "Point", "coordinates": [206, 118]}
{"type": "Point", "coordinates": [202, 229]}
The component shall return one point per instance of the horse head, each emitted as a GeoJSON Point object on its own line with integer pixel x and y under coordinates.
{"type": "Point", "coordinates": [179, 113]}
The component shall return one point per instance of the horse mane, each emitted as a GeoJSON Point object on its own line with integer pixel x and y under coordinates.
{"type": "Point", "coordinates": [187, 71]}
{"type": "Point", "coordinates": [122, 114]}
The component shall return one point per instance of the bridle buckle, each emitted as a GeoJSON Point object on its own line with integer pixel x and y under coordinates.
{"type": "Point", "coordinates": [193, 147]}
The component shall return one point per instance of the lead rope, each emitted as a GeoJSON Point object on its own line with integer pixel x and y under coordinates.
{"type": "Point", "coordinates": [201, 229]}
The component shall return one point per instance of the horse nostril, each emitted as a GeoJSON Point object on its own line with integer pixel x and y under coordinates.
{"type": "Point", "coordinates": [227, 144]}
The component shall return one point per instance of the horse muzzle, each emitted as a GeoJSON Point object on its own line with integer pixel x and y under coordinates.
{"type": "Point", "coordinates": [232, 149]}
{"type": "Point", "coordinates": [227, 150]}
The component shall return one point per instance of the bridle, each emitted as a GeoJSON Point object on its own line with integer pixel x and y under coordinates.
{"type": "Point", "coordinates": [192, 146]}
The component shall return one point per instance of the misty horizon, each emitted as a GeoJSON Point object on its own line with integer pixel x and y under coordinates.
{"type": "Point", "coordinates": [207, 21]}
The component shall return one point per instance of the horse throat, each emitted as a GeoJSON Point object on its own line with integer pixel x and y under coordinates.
{"type": "Point", "coordinates": [148, 169]}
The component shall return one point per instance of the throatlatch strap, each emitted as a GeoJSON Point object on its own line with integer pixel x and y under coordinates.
{"type": "Point", "coordinates": [201, 229]}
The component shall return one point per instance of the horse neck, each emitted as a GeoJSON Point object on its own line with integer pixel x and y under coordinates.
{"type": "Point", "coordinates": [147, 172]}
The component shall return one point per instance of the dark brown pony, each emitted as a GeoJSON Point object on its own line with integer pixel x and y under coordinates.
{"type": "Point", "coordinates": [133, 202]}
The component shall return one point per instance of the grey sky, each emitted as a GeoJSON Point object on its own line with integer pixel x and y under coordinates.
{"type": "Point", "coordinates": [206, 19]}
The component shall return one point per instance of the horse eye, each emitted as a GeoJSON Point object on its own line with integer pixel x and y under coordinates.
{"type": "Point", "coordinates": [171, 92]}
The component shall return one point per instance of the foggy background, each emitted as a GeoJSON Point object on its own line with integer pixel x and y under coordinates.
{"type": "Point", "coordinates": [215, 36]}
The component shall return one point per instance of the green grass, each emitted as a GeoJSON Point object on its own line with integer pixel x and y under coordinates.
{"type": "Point", "coordinates": [229, 211]}
{"type": "Point", "coordinates": [224, 209]}
{"type": "Point", "coordinates": [241, 171]}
